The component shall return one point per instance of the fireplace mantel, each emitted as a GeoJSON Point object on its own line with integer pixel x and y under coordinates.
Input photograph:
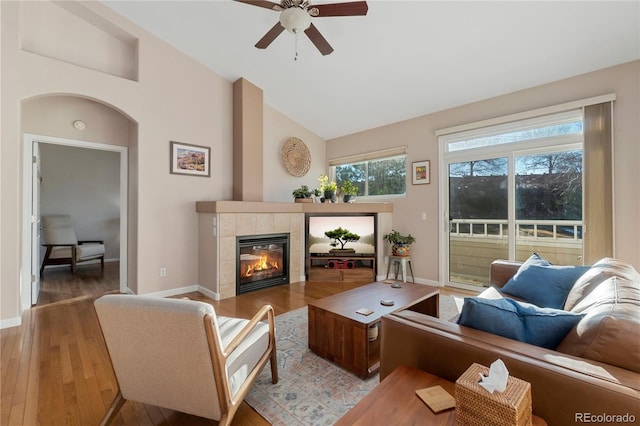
{"type": "Point", "coordinates": [220, 222]}
{"type": "Point", "coordinates": [266, 207]}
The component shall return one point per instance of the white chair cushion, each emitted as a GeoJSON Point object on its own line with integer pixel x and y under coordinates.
{"type": "Point", "coordinates": [90, 250]}
{"type": "Point", "coordinates": [247, 355]}
{"type": "Point", "coordinates": [84, 251]}
{"type": "Point", "coordinates": [58, 230]}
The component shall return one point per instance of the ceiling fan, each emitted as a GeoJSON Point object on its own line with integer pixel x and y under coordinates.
{"type": "Point", "coordinates": [295, 16]}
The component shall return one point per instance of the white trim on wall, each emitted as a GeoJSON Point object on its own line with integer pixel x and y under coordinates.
{"type": "Point", "coordinates": [28, 141]}
{"type": "Point", "coordinates": [554, 109]}
{"type": "Point", "coordinates": [187, 289]}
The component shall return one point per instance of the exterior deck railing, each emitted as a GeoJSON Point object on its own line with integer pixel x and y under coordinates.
{"type": "Point", "coordinates": [530, 229]}
{"type": "Point", "coordinates": [475, 243]}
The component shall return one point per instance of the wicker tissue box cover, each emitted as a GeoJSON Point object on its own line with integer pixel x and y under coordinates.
{"type": "Point", "coordinates": [477, 406]}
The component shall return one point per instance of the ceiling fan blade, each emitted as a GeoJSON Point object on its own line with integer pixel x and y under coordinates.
{"type": "Point", "coordinates": [318, 40]}
{"type": "Point", "coordinates": [270, 36]}
{"type": "Point", "coordinates": [342, 9]}
{"type": "Point", "coordinates": [260, 3]}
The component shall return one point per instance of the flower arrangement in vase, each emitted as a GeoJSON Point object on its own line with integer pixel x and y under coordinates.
{"type": "Point", "coordinates": [349, 191]}
{"type": "Point", "coordinates": [328, 187]}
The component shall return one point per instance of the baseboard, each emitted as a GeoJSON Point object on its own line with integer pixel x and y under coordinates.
{"type": "Point", "coordinates": [207, 292]}
{"type": "Point", "coordinates": [10, 322]}
{"type": "Point", "coordinates": [428, 282]}
{"type": "Point", "coordinates": [182, 290]}
{"type": "Point", "coordinates": [418, 280]}
{"type": "Point", "coordinates": [175, 291]}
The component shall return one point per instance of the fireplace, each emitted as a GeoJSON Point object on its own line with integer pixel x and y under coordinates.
{"type": "Point", "coordinates": [262, 261]}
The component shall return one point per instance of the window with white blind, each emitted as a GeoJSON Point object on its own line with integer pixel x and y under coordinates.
{"type": "Point", "coordinates": [380, 173]}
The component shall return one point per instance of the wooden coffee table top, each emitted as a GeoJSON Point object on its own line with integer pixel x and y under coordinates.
{"type": "Point", "coordinates": [369, 296]}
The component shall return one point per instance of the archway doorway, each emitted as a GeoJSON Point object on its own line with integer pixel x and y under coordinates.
{"type": "Point", "coordinates": [107, 131]}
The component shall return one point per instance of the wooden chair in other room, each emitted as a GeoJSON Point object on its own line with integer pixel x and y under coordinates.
{"type": "Point", "coordinates": [63, 248]}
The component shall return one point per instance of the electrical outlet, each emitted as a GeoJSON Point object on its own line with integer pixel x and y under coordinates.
{"type": "Point", "coordinates": [163, 272]}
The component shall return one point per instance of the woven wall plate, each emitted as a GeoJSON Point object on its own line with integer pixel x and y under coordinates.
{"type": "Point", "coordinates": [295, 157]}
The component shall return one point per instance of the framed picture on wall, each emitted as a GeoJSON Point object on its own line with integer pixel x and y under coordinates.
{"type": "Point", "coordinates": [192, 160]}
{"type": "Point", "coordinates": [421, 172]}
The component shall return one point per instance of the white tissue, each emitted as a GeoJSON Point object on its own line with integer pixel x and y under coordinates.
{"type": "Point", "coordinates": [497, 378]}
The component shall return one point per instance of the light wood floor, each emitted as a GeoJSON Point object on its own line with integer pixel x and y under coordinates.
{"type": "Point", "coordinates": [55, 368]}
{"type": "Point", "coordinates": [58, 284]}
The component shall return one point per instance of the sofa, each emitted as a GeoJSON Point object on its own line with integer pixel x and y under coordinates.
{"type": "Point", "coordinates": [589, 374]}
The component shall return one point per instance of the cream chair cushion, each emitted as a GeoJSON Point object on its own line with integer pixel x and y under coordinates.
{"type": "Point", "coordinates": [58, 230]}
{"type": "Point", "coordinates": [83, 251]}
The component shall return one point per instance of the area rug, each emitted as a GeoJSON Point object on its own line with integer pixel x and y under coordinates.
{"type": "Point", "coordinates": [310, 390]}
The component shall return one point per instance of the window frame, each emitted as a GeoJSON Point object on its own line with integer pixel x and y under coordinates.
{"type": "Point", "coordinates": [598, 170]}
{"type": "Point", "coordinates": [366, 158]}
{"type": "Point", "coordinates": [510, 151]}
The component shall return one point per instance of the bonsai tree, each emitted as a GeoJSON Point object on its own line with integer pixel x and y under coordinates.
{"type": "Point", "coordinates": [340, 236]}
{"type": "Point", "coordinates": [305, 192]}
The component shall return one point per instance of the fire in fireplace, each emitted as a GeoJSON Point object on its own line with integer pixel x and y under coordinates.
{"type": "Point", "coordinates": [263, 261]}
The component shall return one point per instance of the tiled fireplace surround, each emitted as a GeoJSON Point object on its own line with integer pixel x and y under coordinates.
{"type": "Point", "coordinates": [220, 222]}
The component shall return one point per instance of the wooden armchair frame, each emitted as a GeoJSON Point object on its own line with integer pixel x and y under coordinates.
{"type": "Point", "coordinates": [228, 403]}
{"type": "Point", "coordinates": [59, 234]}
{"type": "Point", "coordinates": [73, 260]}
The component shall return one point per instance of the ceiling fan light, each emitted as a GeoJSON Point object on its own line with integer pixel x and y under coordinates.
{"type": "Point", "coordinates": [295, 20]}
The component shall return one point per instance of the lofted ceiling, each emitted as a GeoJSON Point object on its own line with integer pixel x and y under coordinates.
{"type": "Point", "coordinates": [404, 59]}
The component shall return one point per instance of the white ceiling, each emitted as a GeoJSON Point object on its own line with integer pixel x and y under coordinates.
{"type": "Point", "coordinates": [404, 59]}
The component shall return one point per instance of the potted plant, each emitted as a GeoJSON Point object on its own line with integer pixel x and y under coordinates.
{"type": "Point", "coordinates": [328, 187]}
{"type": "Point", "coordinates": [304, 194]}
{"type": "Point", "coordinates": [400, 244]}
{"type": "Point", "coordinates": [349, 191]}
{"type": "Point", "coordinates": [341, 236]}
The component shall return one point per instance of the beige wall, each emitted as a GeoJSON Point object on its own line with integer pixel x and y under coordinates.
{"type": "Point", "coordinates": [54, 116]}
{"type": "Point", "coordinates": [175, 99]}
{"type": "Point", "coordinates": [278, 183]}
{"type": "Point", "coordinates": [167, 96]}
{"type": "Point", "coordinates": [419, 136]}
{"type": "Point", "coordinates": [159, 92]}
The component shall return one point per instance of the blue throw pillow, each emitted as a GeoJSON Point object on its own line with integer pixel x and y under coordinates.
{"type": "Point", "coordinates": [543, 284]}
{"type": "Point", "coordinates": [528, 323]}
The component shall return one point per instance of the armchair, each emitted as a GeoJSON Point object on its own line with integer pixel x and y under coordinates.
{"type": "Point", "coordinates": [63, 248]}
{"type": "Point", "coordinates": [180, 355]}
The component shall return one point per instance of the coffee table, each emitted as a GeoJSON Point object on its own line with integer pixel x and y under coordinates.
{"type": "Point", "coordinates": [394, 402]}
{"type": "Point", "coordinates": [340, 334]}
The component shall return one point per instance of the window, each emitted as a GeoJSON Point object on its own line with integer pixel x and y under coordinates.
{"type": "Point", "coordinates": [533, 180]}
{"type": "Point", "coordinates": [513, 189]}
{"type": "Point", "coordinates": [568, 123]}
{"type": "Point", "coordinates": [380, 173]}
